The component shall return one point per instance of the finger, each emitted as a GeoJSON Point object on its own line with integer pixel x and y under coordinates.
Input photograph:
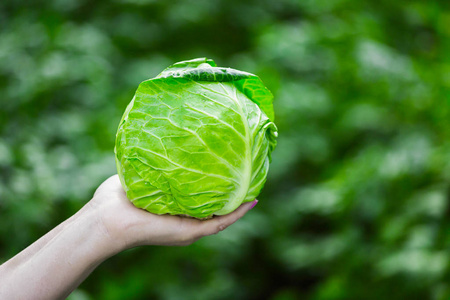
{"type": "Point", "coordinates": [218, 224]}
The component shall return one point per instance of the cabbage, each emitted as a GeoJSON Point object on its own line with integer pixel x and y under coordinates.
{"type": "Point", "coordinates": [196, 140]}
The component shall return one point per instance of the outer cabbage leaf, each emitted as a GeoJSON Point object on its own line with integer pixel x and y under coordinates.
{"type": "Point", "coordinates": [196, 140]}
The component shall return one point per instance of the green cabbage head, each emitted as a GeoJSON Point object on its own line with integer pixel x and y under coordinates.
{"type": "Point", "coordinates": [196, 140]}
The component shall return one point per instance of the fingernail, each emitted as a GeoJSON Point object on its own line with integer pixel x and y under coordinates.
{"type": "Point", "coordinates": [254, 203]}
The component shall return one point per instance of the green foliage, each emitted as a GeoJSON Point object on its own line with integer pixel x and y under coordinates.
{"type": "Point", "coordinates": [196, 140]}
{"type": "Point", "coordinates": [356, 201]}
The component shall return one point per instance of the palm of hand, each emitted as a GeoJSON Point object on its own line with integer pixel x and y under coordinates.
{"type": "Point", "coordinates": [129, 226]}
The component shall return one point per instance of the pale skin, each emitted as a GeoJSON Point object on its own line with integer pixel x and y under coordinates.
{"type": "Point", "coordinates": [53, 266]}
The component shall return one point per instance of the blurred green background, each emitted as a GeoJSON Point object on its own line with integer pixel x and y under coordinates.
{"type": "Point", "coordinates": [356, 203]}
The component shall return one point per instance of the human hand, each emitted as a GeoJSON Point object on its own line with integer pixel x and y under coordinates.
{"type": "Point", "coordinates": [53, 266]}
{"type": "Point", "coordinates": [127, 226]}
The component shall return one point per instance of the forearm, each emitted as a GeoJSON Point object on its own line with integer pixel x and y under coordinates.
{"type": "Point", "coordinates": [55, 266]}
{"type": "Point", "coordinates": [28, 252]}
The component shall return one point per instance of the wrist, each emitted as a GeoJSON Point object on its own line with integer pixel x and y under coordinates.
{"type": "Point", "coordinates": [100, 239]}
